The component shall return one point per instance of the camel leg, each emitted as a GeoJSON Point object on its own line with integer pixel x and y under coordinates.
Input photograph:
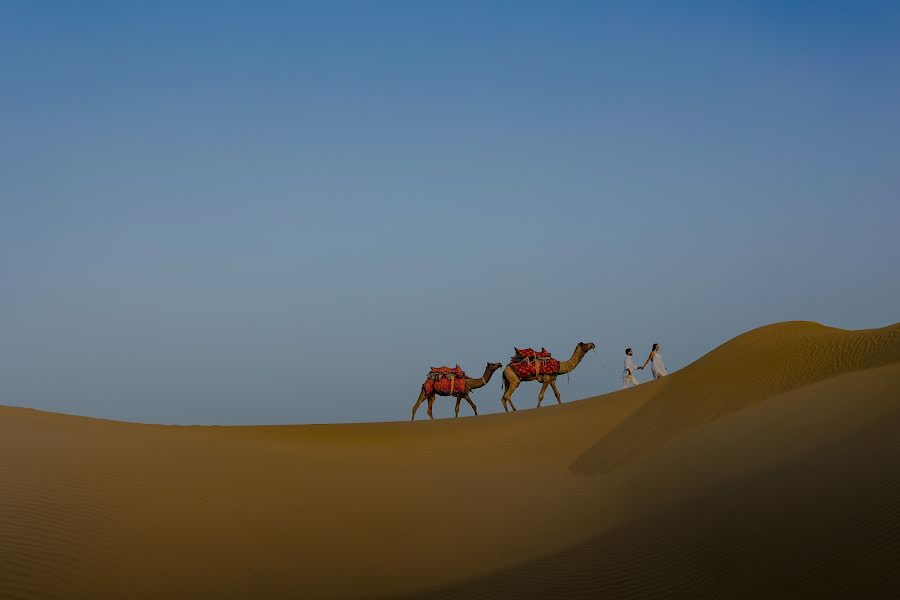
{"type": "Point", "coordinates": [506, 385]}
{"type": "Point", "coordinates": [430, 404]}
{"type": "Point", "coordinates": [416, 405]}
{"type": "Point", "coordinates": [458, 400]}
{"type": "Point", "coordinates": [472, 404]}
{"type": "Point", "coordinates": [555, 391]}
{"type": "Point", "coordinates": [507, 395]}
{"type": "Point", "coordinates": [541, 393]}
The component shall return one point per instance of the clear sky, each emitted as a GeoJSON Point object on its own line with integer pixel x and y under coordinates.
{"type": "Point", "coordinates": [221, 212]}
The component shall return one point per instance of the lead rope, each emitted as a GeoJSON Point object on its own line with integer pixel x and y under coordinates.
{"type": "Point", "coordinates": [594, 350]}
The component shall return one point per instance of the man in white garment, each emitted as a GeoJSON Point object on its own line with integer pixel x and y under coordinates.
{"type": "Point", "coordinates": [628, 378]}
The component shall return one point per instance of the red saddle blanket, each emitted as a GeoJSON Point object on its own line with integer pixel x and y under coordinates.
{"type": "Point", "coordinates": [445, 381]}
{"type": "Point", "coordinates": [531, 363]}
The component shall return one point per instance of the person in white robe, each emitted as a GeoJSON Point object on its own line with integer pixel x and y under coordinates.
{"type": "Point", "coordinates": [628, 378]}
{"type": "Point", "coordinates": [657, 366]}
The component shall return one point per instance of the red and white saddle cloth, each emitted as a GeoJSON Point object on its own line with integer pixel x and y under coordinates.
{"type": "Point", "coordinates": [531, 363]}
{"type": "Point", "coordinates": [446, 381]}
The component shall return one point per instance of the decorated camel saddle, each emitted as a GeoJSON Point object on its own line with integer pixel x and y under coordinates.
{"type": "Point", "coordinates": [530, 363]}
{"type": "Point", "coordinates": [446, 381]}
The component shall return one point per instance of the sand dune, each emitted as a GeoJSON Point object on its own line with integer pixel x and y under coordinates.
{"type": "Point", "coordinates": [771, 466]}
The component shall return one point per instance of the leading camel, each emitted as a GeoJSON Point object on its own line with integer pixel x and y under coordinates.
{"type": "Point", "coordinates": [511, 380]}
{"type": "Point", "coordinates": [471, 384]}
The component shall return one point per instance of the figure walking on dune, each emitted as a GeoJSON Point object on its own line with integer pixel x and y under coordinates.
{"type": "Point", "coordinates": [628, 378]}
{"type": "Point", "coordinates": [657, 366]}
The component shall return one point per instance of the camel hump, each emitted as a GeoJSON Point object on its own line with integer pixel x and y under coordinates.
{"type": "Point", "coordinates": [438, 372]}
{"type": "Point", "coordinates": [527, 353]}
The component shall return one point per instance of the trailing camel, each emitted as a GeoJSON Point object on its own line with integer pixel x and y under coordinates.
{"type": "Point", "coordinates": [458, 388]}
{"type": "Point", "coordinates": [511, 379]}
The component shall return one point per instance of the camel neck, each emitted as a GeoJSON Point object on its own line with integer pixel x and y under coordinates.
{"type": "Point", "coordinates": [568, 365]}
{"type": "Point", "coordinates": [477, 383]}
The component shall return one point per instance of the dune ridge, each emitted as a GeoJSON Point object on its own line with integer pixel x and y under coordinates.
{"type": "Point", "coordinates": [770, 466]}
{"type": "Point", "coordinates": [749, 369]}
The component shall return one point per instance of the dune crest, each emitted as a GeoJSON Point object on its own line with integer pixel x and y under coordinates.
{"type": "Point", "coordinates": [749, 369]}
{"type": "Point", "coordinates": [770, 466]}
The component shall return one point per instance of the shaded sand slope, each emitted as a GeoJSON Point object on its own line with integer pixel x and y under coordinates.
{"type": "Point", "coordinates": [769, 466]}
{"type": "Point", "coordinates": [795, 498]}
{"type": "Point", "coordinates": [747, 370]}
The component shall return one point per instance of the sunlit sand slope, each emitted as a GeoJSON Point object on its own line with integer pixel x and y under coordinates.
{"type": "Point", "coordinates": [771, 466]}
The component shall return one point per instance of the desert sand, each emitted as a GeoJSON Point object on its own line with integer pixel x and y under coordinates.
{"type": "Point", "coordinates": [769, 467]}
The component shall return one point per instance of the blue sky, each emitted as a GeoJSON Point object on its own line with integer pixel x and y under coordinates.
{"type": "Point", "coordinates": [286, 212]}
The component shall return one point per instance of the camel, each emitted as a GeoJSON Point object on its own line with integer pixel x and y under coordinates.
{"type": "Point", "coordinates": [471, 384]}
{"type": "Point", "coordinates": [511, 380]}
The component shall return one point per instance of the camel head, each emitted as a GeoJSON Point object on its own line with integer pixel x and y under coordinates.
{"type": "Point", "coordinates": [586, 346]}
{"type": "Point", "coordinates": [491, 367]}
